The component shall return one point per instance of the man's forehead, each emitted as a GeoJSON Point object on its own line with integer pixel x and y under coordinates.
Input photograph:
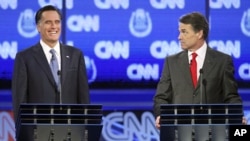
{"type": "Point", "coordinates": [50, 14]}
{"type": "Point", "coordinates": [183, 26]}
{"type": "Point", "coordinates": [47, 16]}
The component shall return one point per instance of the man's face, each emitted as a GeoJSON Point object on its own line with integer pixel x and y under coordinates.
{"type": "Point", "coordinates": [49, 27]}
{"type": "Point", "coordinates": [189, 39]}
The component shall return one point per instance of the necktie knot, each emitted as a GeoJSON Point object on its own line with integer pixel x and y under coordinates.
{"type": "Point", "coordinates": [194, 55]}
{"type": "Point", "coordinates": [53, 52]}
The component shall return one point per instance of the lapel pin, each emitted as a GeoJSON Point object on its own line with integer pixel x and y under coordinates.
{"type": "Point", "coordinates": [67, 57]}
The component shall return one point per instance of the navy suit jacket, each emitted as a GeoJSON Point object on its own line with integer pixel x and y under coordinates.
{"type": "Point", "coordinates": [33, 81]}
{"type": "Point", "coordinates": [175, 85]}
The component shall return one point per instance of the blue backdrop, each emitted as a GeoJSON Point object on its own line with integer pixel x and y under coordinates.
{"type": "Point", "coordinates": [125, 41]}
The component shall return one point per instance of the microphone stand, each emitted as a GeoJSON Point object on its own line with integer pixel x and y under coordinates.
{"type": "Point", "coordinates": [51, 135]}
{"type": "Point", "coordinates": [204, 82]}
{"type": "Point", "coordinates": [59, 88]}
{"type": "Point", "coordinates": [201, 88]}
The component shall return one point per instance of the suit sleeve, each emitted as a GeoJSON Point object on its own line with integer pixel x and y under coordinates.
{"type": "Point", "coordinates": [83, 87]}
{"type": "Point", "coordinates": [230, 84]}
{"type": "Point", "coordinates": [164, 89]}
{"type": "Point", "coordinates": [19, 84]}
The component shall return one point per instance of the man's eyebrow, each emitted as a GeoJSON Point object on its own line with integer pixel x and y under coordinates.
{"type": "Point", "coordinates": [182, 29]}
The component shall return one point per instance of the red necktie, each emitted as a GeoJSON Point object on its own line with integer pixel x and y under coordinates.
{"type": "Point", "coordinates": [193, 69]}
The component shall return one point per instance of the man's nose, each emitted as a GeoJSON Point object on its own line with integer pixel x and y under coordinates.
{"type": "Point", "coordinates": [179, 37]}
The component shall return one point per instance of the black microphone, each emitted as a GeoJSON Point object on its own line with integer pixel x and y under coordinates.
{"type": "Point", "coordinates": [59, 87]}
{"type": "Point", "coordinates": [201, 88]}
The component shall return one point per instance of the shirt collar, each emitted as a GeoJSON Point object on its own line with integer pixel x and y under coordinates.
{"type": "Point", "coordinates": [46, 48]}
{"type": "Point", "coordinates": [201, 51]}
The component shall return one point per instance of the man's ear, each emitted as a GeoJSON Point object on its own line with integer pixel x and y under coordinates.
{"type": "Point", "coordinates": [199, 34]}
{"type": "Point", "coordinates": [38, 28]}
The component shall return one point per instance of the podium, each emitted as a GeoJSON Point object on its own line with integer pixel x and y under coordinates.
{"type": "Point", "coordinates": [57, 122]}
{"type": "Point", "coordinates": [174, 115]}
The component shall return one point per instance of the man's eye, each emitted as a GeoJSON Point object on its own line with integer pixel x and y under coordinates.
{"type": "Point", "coordinates": [57, 22]}
{"type": "Point", "coordinates": [47, 22]}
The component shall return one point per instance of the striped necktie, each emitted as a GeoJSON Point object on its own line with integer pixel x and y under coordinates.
{"type": "Point", "coordinates": [54, 65]}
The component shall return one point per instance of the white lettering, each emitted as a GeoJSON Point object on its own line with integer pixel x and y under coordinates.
{"type": "Point", "coordinates": [108, 4]}
{"type": "Point", "coordinates": [7, 126]}
{"type": "Point", "coordinates": [139, 71]}
{"type": "Point", "coordinates": [240, 132]}
{"type": "Point", "coordinates": [107, 49]}
{"type": "Point", "coordinates": [161, 49]}
{"type": "Point", "coordinates": [8, 49]}
{"type": "Point", "coordinates": [8, 3]}
{"type": "Point", "coordinates": [78, 23]}
{"type": "Point", "coordinates": [244, 71]}
{"type": "Point", "coordinates": [217, 4]}
{"type": "Point", "coordinates": [132, 128]}
{"type": "Point", "coordinates": [229, 47]}
{"type": "Point", "coordinates": [172, 4]}
{"type": "Point", "coordinates": [58, 3]}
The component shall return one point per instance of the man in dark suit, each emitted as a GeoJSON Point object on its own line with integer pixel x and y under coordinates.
{"type": "Point", "coordinates": [176, 85]}
{"type": "Point", "coordinates": [33, 80]}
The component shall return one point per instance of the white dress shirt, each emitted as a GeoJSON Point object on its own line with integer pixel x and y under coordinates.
{"type": "Point", "coordinates": [46, 50]}
{"type": "Point", "coordinates": [201, 53]}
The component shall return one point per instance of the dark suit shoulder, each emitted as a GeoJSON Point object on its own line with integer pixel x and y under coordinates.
{"type": "Point", "coordinates": [215, 53]}
{"type": "Point", "coordinates": [177, 55]}
{"type": "Point", "coordinates": [29, 50]}
{"type": "Point", "coordinates": [72, 49]}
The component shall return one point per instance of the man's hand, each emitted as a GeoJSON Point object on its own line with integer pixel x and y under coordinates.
{"type": "Point", "coordinates": [157, 122]}
{"type": "Point", "coordinates": [244, 121]}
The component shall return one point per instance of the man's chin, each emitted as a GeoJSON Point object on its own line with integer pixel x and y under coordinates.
{"type": "Point", "coordinates": [184, 47]}
{"type": "Point", "coordinates": [54, 40]}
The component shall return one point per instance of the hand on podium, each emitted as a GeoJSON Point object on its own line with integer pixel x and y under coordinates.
{"type": "Point", "coordinates": [157, 122]}
{"type": "Point", "coordinates": [244, 121]}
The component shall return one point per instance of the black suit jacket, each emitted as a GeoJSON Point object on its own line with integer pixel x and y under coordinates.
{"type": "Point", "coordinates": [33, 81]}
{"type": "Point", "coordinates": [175, 85]}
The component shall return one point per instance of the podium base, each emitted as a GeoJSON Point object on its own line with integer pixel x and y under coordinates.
{"type": "Point", "coordinates": [53, 133]}
{"type": "Point", "coordinates": [59, 133]}
{"type": "Point", "coordinates": [194, 133]}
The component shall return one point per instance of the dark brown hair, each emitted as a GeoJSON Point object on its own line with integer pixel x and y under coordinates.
{"type": "Point", "coordinates": [46, 8]}
{"type": "Point", "coordinates": [197, 21]}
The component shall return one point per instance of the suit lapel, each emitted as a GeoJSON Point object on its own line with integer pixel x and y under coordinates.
{"type": "Point", "coordinates": [42, 61]}
{"type": "Point", "coordinates": [65, 61]}
{"type": "Point", "coordinates": [184, 68]}
{"type": "Point", "coordinates": [208, 62]}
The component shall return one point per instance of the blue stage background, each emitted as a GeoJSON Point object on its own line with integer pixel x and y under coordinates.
{"type": "Point", "coordinates": [125, 43]}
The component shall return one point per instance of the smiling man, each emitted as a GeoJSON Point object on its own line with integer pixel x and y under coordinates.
{"type": "Point", "coordinates": [49, 71]}
{"type": "Point", "coordinates": [180, 81]}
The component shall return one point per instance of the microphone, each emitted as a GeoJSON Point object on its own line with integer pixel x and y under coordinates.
{"type": "Point", "coordinates": [59, 87]}
{"type": "Point", "coordinates": [201, 87]}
